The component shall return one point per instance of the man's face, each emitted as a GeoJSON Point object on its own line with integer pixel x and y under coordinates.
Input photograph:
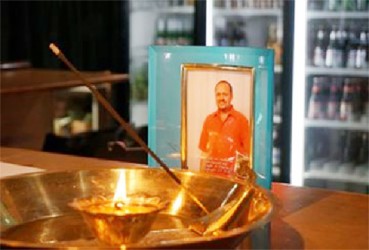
{"type": "Point", "coordinates": [223, 96]}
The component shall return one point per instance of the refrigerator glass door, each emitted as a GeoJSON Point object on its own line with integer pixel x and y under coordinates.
{"type": "Point", "coordinates": [330, 96]}
{"type": "Point", "coordinates": [249, 23]}
{"type": "Point", "coordinates": [154, 22]}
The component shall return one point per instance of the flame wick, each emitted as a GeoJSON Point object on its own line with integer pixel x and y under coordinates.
{"type": "Point", "coordinates": [119, 205]}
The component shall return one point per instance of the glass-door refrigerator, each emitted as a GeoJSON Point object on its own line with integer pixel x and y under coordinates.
{"type": "Point", "coordinates": [330, 114]}
{"type": "Point", "coordinates": [154, 22]}
{"type": "Point", "coordinates": [253, 24]}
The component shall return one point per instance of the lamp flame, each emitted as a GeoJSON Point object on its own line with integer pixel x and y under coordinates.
{"type": "Point", "coordinates": [121, 189]}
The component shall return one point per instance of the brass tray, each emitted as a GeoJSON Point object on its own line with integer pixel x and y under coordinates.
{"type": "Point", "coordinates": [35, 212]}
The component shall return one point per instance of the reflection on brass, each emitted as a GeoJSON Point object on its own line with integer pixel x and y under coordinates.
{"type": "Point", "coordinates": [119, 222]}
{"type": "Point", "coordinates": [235, 209]}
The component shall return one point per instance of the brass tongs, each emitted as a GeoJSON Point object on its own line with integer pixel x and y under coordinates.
{"type": "Point", "coordinates": [224, 216]}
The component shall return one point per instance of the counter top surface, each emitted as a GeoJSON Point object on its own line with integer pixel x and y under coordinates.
{"type": "Point", "coordinates": [33, 79]}
{"type": "Point", "coordinates": [306, 218]}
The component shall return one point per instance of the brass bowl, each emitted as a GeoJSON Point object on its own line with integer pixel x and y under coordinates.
{"type": "Point", "coordinates": [119, 222]}
{"type": "Point", "coordinates": [35, 210]}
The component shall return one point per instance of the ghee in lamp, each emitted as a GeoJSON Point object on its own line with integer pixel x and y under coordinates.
{"type": "Point", "coordinates": [119, 222]}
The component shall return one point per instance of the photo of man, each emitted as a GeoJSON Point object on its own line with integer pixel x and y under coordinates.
{"type": "Point", "coordinates": [217, 118]}
{"type": "Point", "coordinates": [225, 133]}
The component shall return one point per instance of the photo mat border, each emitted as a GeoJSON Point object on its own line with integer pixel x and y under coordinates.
{"type": "Point", "coordinates": [185, 68]}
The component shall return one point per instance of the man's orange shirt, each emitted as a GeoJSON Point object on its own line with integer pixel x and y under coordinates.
{"type": "Point", "coordinates": [221, 139]}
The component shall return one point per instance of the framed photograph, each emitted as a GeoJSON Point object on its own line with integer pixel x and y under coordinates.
{"type": "Point", "coordinates": [183, 82]}
{"type": "Point", "coordinates": [217, 117]}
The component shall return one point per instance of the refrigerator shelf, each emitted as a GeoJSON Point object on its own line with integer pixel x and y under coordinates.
{"type": "Point", "coordinates": [187, 9]}
{"type": "Point", "coordinates": [177, 10]}
{"type": "Point", "coordinates": [337, 15]}
{"type": "Point", "coordinates": [248, 12]}
{"type": "Point", "coordinates": [337, 71]}
{"type": "Point", "coordinates": [323, 175]}
{"type": "Point", "coordinates": [347, 125]}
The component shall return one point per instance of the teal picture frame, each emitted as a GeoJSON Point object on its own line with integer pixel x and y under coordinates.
{"type": "Point", "coordinates": [165, 100]}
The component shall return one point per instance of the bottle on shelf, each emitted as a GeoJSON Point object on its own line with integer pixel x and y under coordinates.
{"type": "Point", "coordinates": [239, 4]}
{"type": "Point", "coordinates": [365, 102]}
{"type": "Point", "coordinates": [233, 35]}
{"type": "Point", "coordinates": [363, 155]}
{"type": "Point", "coordinates": [338, 5]}
{"type": "Point", "coordinates": [362, 5]}
{"type": "Point", "coordinates": [334, 54]}
{"type": "Point", "coordinates": [188, 31]}
{"type": "Point", "coordinates": [276, 146]}
{"type": "Point", "coordinates": [336, 142]}
{"type": "Point", "coordinates": [317, 102]}
{"type": "Point", "coordinates": [277, 4]}
{"type": "Point", "coordinates": [348, 5]}
{"type": "Point", "coordinates": [317, 150]}
{"type": "Point", "coordinates": [315, 4]}
{"type": "Point", "coordinates": [174, 3]}
{"type": "Point", "coordinates": [333, 106]}
{"type": "Point", "coordinates": [333, 5]}
{"type": "Point", "coordinates": [218, 3]}
{"type": "Point", "coordinates": [362, 167]}
{"type": "Point", "coordinates": [342, 41]}
{"type": "Point", "coordinates": [174, 30]}
{"type": "Point", "coordinates": [347, 102]}
{"type": "Point", "coordinates": [349, 156]}
{"type": "Point", "coordinates": [227, 4]}
{"type": "Point", "coordinates": [361, 61]}
{"type": "Point", "coordinates": [367, 43]}
{"type": "Point", "coordinates": [160, 37]}
{"type": "Point", "coordinates": [331, 50]}
{"type": "Point", "coordinates": [320, 48]}
{"type": "Point", "coordinates": [240, 38]}
{"type": "Point", "coordinates": [358, 98]}
{"type": "Point", "coordinates": [352, 47]}
{"type": "Point", "coordinates": [224, 40]}
{"type": "Point", "coordinates": [171, 31]}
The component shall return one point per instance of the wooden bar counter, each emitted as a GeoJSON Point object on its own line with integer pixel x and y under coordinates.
{"type": "Point", "coordinates": [306, 218]}
{"type": "Point", "coordinates": [27, 99]}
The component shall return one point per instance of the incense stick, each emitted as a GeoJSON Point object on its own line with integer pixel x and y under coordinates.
{"type": "Point", "coordinates": [101, 99]}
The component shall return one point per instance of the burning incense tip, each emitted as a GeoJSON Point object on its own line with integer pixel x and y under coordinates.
{"type": "Point", "coordinates": [54, 49]}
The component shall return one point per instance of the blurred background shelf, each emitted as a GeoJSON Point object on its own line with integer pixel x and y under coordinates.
{"type": "Point", "coordinates": [337, 14]}
{"type": "Point", "coordinates": [336, 71]}
{"type": "Point", "coordinates": [347, 125]}
{"type": "Point", "coordinates": [350, 178]}
{"type": "Point", "coordinates": [248, 12]}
